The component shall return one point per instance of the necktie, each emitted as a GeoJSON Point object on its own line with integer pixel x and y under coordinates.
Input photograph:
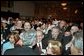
{"type": "Point", "coordinates": [39, 47]}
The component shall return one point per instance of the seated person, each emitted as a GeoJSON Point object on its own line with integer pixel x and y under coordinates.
{"type": "Point", "coordinates": [13, 40]}
{"type": "Point", "coordinates": [66, 42]}
{"type": "Point", "coordinates": [21, 49]}
{"type": "Point", "coordinates": [78, 43]}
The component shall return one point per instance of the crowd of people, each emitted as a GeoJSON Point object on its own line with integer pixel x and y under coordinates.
{"type": "Point", "coordinates": [41, 37]}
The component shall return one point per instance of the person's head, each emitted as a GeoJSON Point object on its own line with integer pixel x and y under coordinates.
{"type": "Point", "coordinates": [13, 37]}
{"type": "Point", "coordinates": [54, 47]}
{"type": "Point", "coordinates": [55, 32]}
{"type": "Point", "coordinates": [62, 23]}
{"type": "Point", "coordinates": [70, 23]}
{"type": "Point", "coordinates": [81, 25]}
{"type": "Point", "coordinates": [38, 28]}
{"type": "Point", "coordinates": [17, 19]}
{"type": "Point", "coordinates": [74, 29]}
{"type": "Point", "coordinates": [33, 22]}
{"type": "Point", "coordinates": [27, 26]}
{"type": "Point", "coordinates": [67, 33]}
{"type": "Point", "coordinates": [16, 31]}
{"type": "Point", "coordinates": [19, 23]}
{"type": "Point", "coordinates": [43, 26]}
{"type": "Point", "coordinates": [39, 35]}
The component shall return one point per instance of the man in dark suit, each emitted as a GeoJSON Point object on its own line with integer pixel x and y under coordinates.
{"type": "Point", "coordinates": [40, 43]}
{"type": "Point", "coordinates": [24, 50]}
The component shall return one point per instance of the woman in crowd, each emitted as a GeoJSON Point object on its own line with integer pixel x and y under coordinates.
{"type": "Point", "coordinates": [14, 39]}
{"type": "Point", "coordinates": [28, 35]}
{"type": "Point", "coordinates": [64, 39]}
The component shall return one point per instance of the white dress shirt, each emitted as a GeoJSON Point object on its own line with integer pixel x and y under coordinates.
{"type": "Point", "coordinates": [40, 44]}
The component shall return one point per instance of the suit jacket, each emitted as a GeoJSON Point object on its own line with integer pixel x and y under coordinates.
{"type": "Point", "coordinates": [46, 38]}
{"type": "Point", "coordinates": [24, 50]}
{"type": "Point", "coordinates": [36, 49]}
{"type": "Point", "coordinates": [44, 42]}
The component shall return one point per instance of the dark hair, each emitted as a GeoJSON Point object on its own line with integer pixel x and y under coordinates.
{"type": "Point", "coordinates": [68, 29]}
{"type": "Point", "coordinates": [75, 24]}
{"type": "Point", "coordinates": [16, 36]}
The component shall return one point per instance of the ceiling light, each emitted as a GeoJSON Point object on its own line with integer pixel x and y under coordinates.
{"type": "Point", "coordinates": [82, 3]}
{"type": "Point", "coordinates": [76, 11]}
{"type": "Point", "coordinates": [63, 4]}
{"type": "Point", "coordinates": [64, 8]}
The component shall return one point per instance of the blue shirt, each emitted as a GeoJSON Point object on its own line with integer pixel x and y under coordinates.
{"type": "Point", "coordinates": [6, 46]}
{"type": "Point", "coordinates": [28, 37]}
{"type": "Point", "coordinates": [79, 43]}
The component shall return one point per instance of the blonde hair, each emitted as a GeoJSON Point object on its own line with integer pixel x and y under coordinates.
{"type": "Point", "coordinates": [55, 47]}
